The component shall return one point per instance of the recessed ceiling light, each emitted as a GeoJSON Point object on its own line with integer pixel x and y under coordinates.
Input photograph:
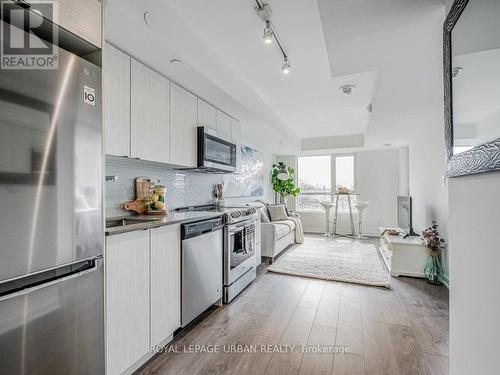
{"type": "Point", "coordinates": [347, 89]}
{"type": "Point", "coordinates": [268, 33]}
{"type": "Point", "coordinates": [286, 67]}
{"type": "Point", "coordinates": [148, 20]}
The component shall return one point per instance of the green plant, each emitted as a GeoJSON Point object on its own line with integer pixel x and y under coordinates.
{"type": "Point", "coordinates": [284, 187]}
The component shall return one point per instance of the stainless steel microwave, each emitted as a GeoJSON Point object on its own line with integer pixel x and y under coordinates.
{"type": "Point", "coordinates": [215, 153]}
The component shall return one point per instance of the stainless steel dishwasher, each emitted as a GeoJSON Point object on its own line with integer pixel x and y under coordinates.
{"type": "Point", "coordinates": [201, 267]}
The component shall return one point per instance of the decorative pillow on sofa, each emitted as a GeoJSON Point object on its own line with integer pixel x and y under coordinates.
{"type": "Point", "coordinates": [277, 212]}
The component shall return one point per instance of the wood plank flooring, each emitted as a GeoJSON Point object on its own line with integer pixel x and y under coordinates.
{"type": "Point", "coordinates": [397, 331]}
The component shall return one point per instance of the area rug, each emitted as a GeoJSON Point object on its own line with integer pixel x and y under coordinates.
{"type": "Point", "coordinates": [348, 261]}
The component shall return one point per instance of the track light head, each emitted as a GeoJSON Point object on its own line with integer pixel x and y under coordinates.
{"type": "Point", "coordinates": [286, 67]}
{"type": "Point", "coordinates": [268, 33]}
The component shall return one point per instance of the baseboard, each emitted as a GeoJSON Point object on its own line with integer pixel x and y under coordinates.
{"type": "Point", "coordinates": [342, 233]}
{"type": "Point", "coordinates": [445, 280]}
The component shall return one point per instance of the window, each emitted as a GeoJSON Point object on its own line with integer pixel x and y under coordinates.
{"type": "Point", "coordinates": [317, 175]}
{"type": "Point", "coordinates": [344, 176]}
{"type": "Point", "coordinates": [315, 181]}
{"type": "Point", "coordinates": [344, 171]}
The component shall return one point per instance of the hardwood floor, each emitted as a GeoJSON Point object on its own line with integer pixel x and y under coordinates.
{"type": "Point", "coordinates": [397, 331]}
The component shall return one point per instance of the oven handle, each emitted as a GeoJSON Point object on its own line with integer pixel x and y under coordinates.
{"type": "Point", "coordinates": [236, 229]}
{"type": "Point", "coordinates": [239, 226]}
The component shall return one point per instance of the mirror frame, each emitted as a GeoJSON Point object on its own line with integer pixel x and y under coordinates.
{"type": "Point", "coordinates": [484, 157]}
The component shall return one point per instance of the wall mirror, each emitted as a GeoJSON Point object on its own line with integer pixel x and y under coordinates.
{"type": "Point", "coordinates": [472, 86]}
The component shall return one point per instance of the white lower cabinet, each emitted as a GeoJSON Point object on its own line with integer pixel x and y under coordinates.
{"type": "Point", "coordinates": [143, 295]}
{"type": "Point", "coordinates": [127, 300]}
{"type": "Point", "coordinates": [165, 282]}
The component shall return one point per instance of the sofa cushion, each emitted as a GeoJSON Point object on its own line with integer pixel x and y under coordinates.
{"type": "Point", "coordinates": [283, 227]}
{"type": "Point", "coordinates": [264, 213]}
{"type": "Point", "coordinates": [264, 217]}
{"type": "Point", "coordinates": [277, 212]}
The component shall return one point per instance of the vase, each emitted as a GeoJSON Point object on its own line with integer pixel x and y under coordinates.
{"type": "Point", "coordinates": [433, 269]}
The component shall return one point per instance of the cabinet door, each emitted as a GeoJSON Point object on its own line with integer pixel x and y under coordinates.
{"type": "Point", "coordinates": [165, 282]}
{"type": "Point", "coordinates": [223, 125]}
{"type": "Point", "coordinates": [116, 96]}
{"type": "Point", "coordinates": [82, 18]}
{"type": "Point", "coordinates": [236, 136]}
{"type": "Point", "coordinates": [127, 299]}
{"type": "Point", "coordinates": [183, 122]}
{"type": "Point", "coordinates": [149, 114]}
{"type": "Point", "coordinates": [207, 115]}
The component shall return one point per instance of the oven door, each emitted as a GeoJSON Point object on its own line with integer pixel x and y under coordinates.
{"type": "Point", "coordinates": [239, 250]}
{"type": "Point", "coordinates": [215, 153]}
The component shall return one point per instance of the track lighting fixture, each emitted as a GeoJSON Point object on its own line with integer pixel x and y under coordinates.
{"type": "Point", "coordinates": [264, 12]}
{"type": "Point", "coordinates": [285, 68]}
{"type": "Point", "coordinates": [268, 33]}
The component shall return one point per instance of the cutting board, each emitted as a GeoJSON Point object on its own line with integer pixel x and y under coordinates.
{"type": "Point", "coordinates": [140, 204]}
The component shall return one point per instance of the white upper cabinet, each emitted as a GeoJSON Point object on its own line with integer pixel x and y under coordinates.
{"type": "Point", "coordinates": [82, 18]}
{"type": "Point", "coordinates": [224, 123]}
{"type": "Point", "coordinates": [165, 282]}
{"type": "Point", "coordinates": [127, 300]}
{"type": "Point", "coordinates": [149, 114]}
{"type": "Point", "coordinates": [183, 126]}
{"type": "Point", "coordinates": [207, 115]}
{"type": "Point", "coordinates": [235, 130]}
{"type": "Point", "coordinates": [116, 98]}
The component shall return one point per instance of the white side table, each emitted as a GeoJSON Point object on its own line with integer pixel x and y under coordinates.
{"type": "Point", "coordinates": [404, 256]}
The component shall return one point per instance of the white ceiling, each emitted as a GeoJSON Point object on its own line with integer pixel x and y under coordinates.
{"type": "Point", "coordinates": [379, 46]}
{"type": "Point", "coordinates": [308, 100]}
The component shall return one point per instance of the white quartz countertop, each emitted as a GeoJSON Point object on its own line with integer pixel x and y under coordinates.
{"type": "Point", "coordinates": [158, 221]}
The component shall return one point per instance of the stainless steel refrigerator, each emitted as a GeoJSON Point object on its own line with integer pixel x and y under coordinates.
{"type": "Point", "coordinates": [51, 221]}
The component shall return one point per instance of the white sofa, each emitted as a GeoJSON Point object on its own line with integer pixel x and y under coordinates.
{"type": "Point", "coordinates": [276, 236]}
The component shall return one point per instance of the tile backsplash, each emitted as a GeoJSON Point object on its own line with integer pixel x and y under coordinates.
{"type": "Point", "coordinates": [184, 188]}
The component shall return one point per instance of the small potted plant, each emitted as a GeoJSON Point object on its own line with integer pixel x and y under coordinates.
{"type": "Point", "coordinates": [434, 243]}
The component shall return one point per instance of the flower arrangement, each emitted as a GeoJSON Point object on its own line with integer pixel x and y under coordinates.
{"type": "Point", "coordinates": [432, 240]}
{"type": "Point", "coordinates": [434, 243]}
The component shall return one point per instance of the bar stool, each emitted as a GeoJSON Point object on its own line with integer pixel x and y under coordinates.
{"type": "Point", "coordinates": [328, 208]}
{"type": "Point", "coordinates": [360, 207]}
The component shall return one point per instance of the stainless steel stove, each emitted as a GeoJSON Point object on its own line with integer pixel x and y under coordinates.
{"type": "Point", "coordinates": [239, 263]}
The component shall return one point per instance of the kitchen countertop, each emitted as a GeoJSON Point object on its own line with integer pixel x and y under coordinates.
{"type": "Point", "coordinates": [170, 218]}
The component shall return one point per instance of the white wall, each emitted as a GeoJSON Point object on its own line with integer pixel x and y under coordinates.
{"type": "Point", "coordinates": [378, 182]}
{"type": "Point", "coordinates": [409, 107]}
{"type": "Point", "coordinates": [474, 274]}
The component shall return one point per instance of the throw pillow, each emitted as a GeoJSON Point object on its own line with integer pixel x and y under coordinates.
{"type": "Point", "coordinates": [277, 212]}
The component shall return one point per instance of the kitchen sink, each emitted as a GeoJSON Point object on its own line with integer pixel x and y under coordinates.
{"type": "Point", "coordinates": [113, 223]}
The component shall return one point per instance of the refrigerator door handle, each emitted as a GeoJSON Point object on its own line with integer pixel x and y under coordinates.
{"type": "Point", "coordinates": [50, 283]}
